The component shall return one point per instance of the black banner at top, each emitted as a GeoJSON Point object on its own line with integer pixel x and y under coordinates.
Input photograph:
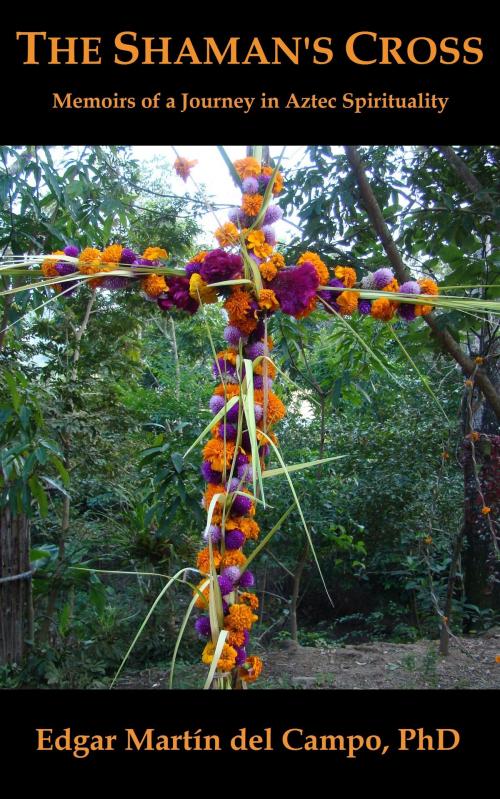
{"type": "Point", "coordinates": [324, 81]}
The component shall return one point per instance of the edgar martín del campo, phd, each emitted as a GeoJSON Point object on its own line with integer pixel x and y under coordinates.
{"type": "Point", "coordinates": [349, 101]}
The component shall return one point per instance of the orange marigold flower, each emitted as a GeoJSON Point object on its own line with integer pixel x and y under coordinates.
{"type": "Point", "coordinates": [275, 408]}
{"type": "Point", "coordinates": [256, 241]}
{"type": "Point", "coordinates": [236, 638]}
{"type": "Point", "coordinates": [474, 436]}
{"type": "Point", "coordinates": [469, 383]}
{"type": "Point", "coordinates": [253, 669]}
{"type": "Point", "coordinates": [218, 454]}
{"type": "Point", "coordinates": [428, 540]}
{"type": "Point", "coordinates": [49, 265]}
{"type": "Point", "coordinates": [227, 235]}
{"type": "Point", "coordinates": [202, 602]}
{"type": "Point", "coordinates": [445, 455]}
{"type": "Point", "coordinates": [348, 302]}
{"type": "Point", "coordinates": [392, 286]}
{"type": "Point", "coordinates": [263, 250]}
{"type": "Point", "coordinates": [227, 658]}
{"type": "Point", "coordinates": [278, 260]}
{"type": "Point", "coordinates": [183, 167]}
{"type": "Point", "coordinates": [278, 179]}
{"type": "Point", "coordinates": [112, 254]}
{"type": "Point", "coordinates": [154, 285]}
{"type": "Point", "coordinates": [228, 355]}
{"type": "Point", "coordinates": [265, 366]}
{"type": "Point", "coordinates": [227, 390]}
{"type": "Point", "coordinates": [249, 599]}
{"type": "Point", "coordinates": [199, 257]}
{"type": "Point", "coordinates": [268, 270]}
{"type": "Point", "coordinates": [485, 510]}
{"type": "Point", "coordinates": [233, 557]}
{"type": "Point", "coordinates": [238, 307]}
{"type": "Point", "coordinates": [382, 309]}
{"type": "Point", "coordinates": [240, 617]}
{"type": "Point", "coordinates": [319, 266]}
{"type": "Point", "coordinates": [203, 559]}
{"type": "Point", "coordinates": [210, 492]}
{"type": "Point", "coordinates": [423, 310]}
{"type": "Point", "coordinates": [268, 300]}
{"type": "Point", "coordinates": [310, 307]}
{"type": "Point", "coordinates": [247, 167]}
{"type": "Point", "coordinates": [89, 261]}
{"type": "Point", "coordinates": [248, 526]}
{"type": "Point", "coordinates": [428, 286]}
{"type": "Point", "coordinates": [347, 275]}
{"type": "Point", "coordinates": [251, 204]}
{"type": "Point", "coordinates": [479, 359]}
{"type": "Point", "coordinates": [201, 291]}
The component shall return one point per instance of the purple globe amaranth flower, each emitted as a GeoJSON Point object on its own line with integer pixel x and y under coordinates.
{"type": "Point", "coordinates": [259, 412]}
{"type": "Point", "coordinates": [367, 282]}
{"type": "Point", "coordinates": [234, 539]}
{"type": "Point", "coordinates": [178, 293]}
{"type": "Point", "coordinates": [382, 277]}
{"type": "Point", "coordinates": [236, 216]}
{"type": "Point", "coordinates": [273, 214]}
{"type": "Point", "coordinates": [225, 584]}
{"type": "Point", "coordinates": [245, 441]}
{"type": "Point", "coordinates": [246, 580]}
{"type": "Point", "coordinates": [232, 413]}
{"type": "Point", "coordinates": [191, 269]}
{"type": "Point", "coordinates": [255, 350]}
{"type": "Point", "coordinates": [407, 311]}
{"type": "Point", "coordinates": [255, 258]}
{"type": "Point", "coordinates": [216, 403]}
{"type": "Point", "coordinates": [202, 626]}
{"type": "Point", "coordinates": [250, 186]}
{"type": "Point", "coordinates": [264, 450]}
{"type": "Point", "coordinates": [330, 296]}
{"type": "Point", "coordinates": [64, 269]}
{"type": "Point", "coordinates": [244, 473]}
{"type": "Point", "coordinates": [242, 459]}
{"type": "Point", "coordinates": [364, 306]}
{"type": "Point", "coordinates": [144, 262]}
{"type": "Point", "coordinates": [233, 484]}
{"type": "Point", "coordinates": [295, 287]}
{"type": "Point", "coordinates": [264, 180]}
{"type": "Point", "coordinates": [208, 474]}
{"type": "Point", "coordinates": [220, 265]}
{"type": "Point", "coordinates": [229, 430]}
{"type": "Point", "coordinates": [225, 606]}
{"type": "Point", "coordinates": [241, 656]}
{"type": "Point", "coordinates": [410, 287]}
{"type": "Point", "coordinates": [214, 533]}
{"type": "Point", "coordinates": [71, 250]}
{"type": "Point", "coordinates": [259, 332]}
{"type": "Point", "coordinates": [270, 234]}
{"type": "Point", "coordinates": [128, 256]}
{"type": "Point", "coordinates": [233, 335]}
{"type": "Point", "coordinates": [241, 505]}
{"type": "Point", "coordinates": [224, 368]}
{"type": "Point", "coordinates": [233, 573]}
{"type": "Point", "coordinates": [115, 282]}
{"type": "Point", "coordinates": [246, 637]}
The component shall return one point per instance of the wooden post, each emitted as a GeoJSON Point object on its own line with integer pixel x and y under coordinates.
{"type": "Point", "coordinates": [15, 586]}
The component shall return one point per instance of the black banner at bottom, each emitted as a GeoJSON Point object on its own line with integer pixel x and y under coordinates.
{"type": "Point", "coordinates": [359, 732]}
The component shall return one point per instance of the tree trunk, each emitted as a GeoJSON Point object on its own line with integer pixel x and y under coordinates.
{"type": "Point", "coordinates": [481, 465]}
{"type": "Point", "coordinates": [15, 587]}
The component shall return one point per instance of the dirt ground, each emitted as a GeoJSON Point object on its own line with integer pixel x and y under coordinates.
{"type": "Point", "coordinates": [470, 664]}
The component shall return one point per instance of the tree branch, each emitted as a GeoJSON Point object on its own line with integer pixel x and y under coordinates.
{"type": "Point", "coordinates": [444, 337]}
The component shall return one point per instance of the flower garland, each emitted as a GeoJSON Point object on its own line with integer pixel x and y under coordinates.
{"type": "Point", "coordinates": [254, 281]}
